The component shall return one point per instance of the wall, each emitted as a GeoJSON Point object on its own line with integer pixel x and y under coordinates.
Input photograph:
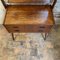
{"type": "Point", "coordinates": [2, 13]}
{"type": "Point", "coordinates": [6, 0]}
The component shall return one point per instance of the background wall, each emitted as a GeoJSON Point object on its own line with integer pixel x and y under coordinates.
{"type": "Point", "coordinates": [57, 12]}
{"type": "Point", "coordinates": [2, 13]}
{"type": "Point", "coordinates": [6, 0]}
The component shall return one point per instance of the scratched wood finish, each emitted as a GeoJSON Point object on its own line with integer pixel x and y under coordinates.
{"type": "Point", "coordinates": [28, 19]}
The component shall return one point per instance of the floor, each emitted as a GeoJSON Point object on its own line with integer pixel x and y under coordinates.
{"type": "Point", "coordinates": [31, 46]}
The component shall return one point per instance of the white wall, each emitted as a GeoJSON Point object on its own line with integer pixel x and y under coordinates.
{"type": "Point", "coordinates": [2, 13]}
{"type": "Point", "coordinates": [6, 0]}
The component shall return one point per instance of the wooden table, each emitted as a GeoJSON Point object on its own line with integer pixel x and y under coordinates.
{"type": "Point", "coordinates": [29, 18]}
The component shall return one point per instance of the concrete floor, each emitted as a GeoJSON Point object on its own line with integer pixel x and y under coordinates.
{"type": "Point", "coordinates": [31, 46]}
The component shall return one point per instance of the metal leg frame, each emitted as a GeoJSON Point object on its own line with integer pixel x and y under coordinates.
{"type": "Point", "coordinates": [45, 35]}
{"type": "Point", "coordinates": [13, 36]}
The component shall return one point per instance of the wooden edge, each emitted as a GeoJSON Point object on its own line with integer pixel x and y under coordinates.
{"type": "Point", "coordinates": [4, 4]}
{"type": "Point", "coordinates": [54, 3]}
{"type": "Point", "coordinates": [4, 22]}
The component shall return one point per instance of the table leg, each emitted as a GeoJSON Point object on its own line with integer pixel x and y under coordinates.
{"type": "Point", "coordinates": [44, 35]}
{"type": "Point", "coordinates": [13, 36]}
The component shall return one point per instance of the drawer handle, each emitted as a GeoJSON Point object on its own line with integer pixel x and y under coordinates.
{"type": "Point", "coordinates": [41, 27]}
{"type": "Point", "coordinates": [15, 27]}
{"type": "Point", "coordinates": [17, 30]}
{"type": "Point", "coordinates": [40, 30]}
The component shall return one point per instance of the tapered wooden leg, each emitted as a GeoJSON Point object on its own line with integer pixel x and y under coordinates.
{"type": "Point", "coordinates": [13, 36]}
{"type": "Point", "coordinates": [44, 35]}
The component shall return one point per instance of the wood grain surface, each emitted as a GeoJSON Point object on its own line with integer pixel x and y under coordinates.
{"type": "Point", "coordinates": [28, 18]}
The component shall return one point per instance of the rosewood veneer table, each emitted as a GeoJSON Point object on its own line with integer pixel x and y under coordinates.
{"type": "Point", "coordinates": [29, 18]}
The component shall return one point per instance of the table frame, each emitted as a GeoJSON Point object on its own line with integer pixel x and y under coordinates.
{"type": "Point", "coordinates": [45, 34]}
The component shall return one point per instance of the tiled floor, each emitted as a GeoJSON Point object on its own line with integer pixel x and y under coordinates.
{"type": "Point", "coordinates": [30, 46]}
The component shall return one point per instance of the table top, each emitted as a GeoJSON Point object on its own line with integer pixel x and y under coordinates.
{"type": "Point", "coordinates": [31, 1]}
{"type": "Point", "coordinates": [28, 15]}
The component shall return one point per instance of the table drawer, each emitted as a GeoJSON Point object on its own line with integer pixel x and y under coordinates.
{"type": "Point", "coordinates": [28, 28]}
{"type": "Point", "coordinates": [14, 28]}
{"type": "Point", "coordinates": [42, 28]}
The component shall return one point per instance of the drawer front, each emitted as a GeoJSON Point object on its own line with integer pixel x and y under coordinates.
{"type": "Point", "coordinates": [14, 28]}
{"type": "Point", "coordinates": [28, 28]}
{"type": "Point", "coordinates": [41, 28]}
